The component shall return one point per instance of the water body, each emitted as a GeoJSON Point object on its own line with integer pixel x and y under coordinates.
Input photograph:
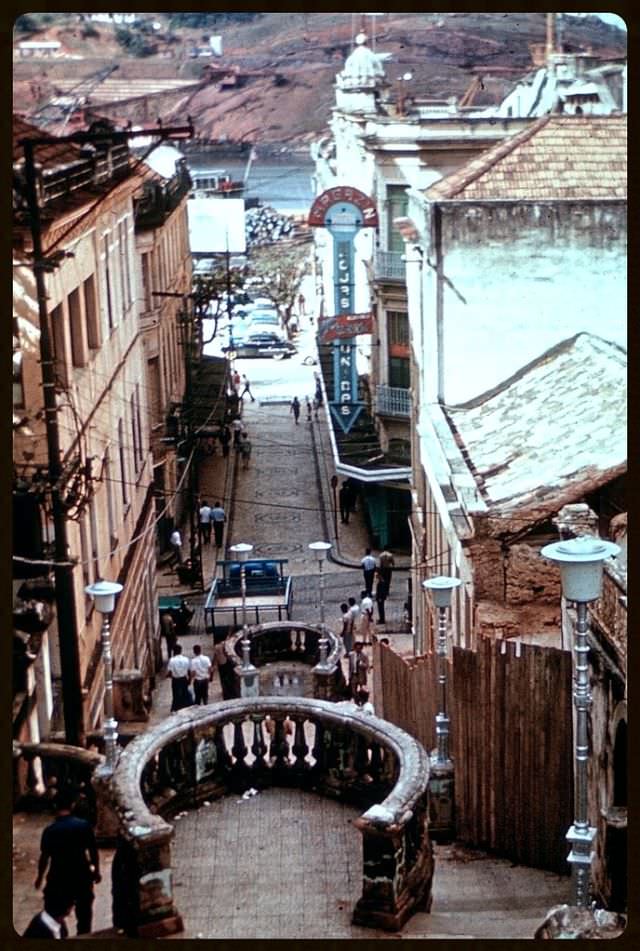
{"type": "Point", "coordinates": [285, 186]}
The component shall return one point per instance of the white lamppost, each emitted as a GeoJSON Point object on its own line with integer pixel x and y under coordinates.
{"type": "Point", "coordinates": [581, 562]}
{"type": "Point", "coordinates": [441, 775]}
{"type": "Point", "coordinates": [241, 552]}
{"type": "Point", "coordinates": [104, 596]}
{"type": "Point", "coordinates": [320, 551]}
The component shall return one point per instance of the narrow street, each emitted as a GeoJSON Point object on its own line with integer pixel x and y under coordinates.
{"type": "Point", "coordinates": [287, 864]}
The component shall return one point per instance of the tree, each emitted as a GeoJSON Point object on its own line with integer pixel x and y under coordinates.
{"type": "Point", "coordinates": [280, 268]}
{"type": "Point", "coordinates": [211, 290]}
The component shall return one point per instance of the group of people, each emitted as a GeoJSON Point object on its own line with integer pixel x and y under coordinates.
{"type": "Point", "coordinates": [356, 631]}
{"type": "Point", "coordinates": [190, 677]}
{"type": "Point", "coordinates": [311, 405]}
{"type": "Point", "coordinates": [70, 861]}
{"type": "Point", "coordinates": [379, 572]}
{"type": "Point", "coordinates": [211, 516]}
{"type": "Point", "coordinates": [241, 385]}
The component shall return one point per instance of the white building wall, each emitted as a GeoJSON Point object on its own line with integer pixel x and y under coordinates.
{"type": "Point", "coordinates": [517, 282]}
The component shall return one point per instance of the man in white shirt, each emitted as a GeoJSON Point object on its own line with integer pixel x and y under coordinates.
{"type": "Point", "coordinates": [218, 518]}
{"type": "Point", "coordinates": [366, 618]}
{"type": "Point", "coordinates": [201, 672]}
{"type": "Point", "coordinates": [178, 670]}
{"type": "Point", "coordinates": [205, 522]}
{"type": "Point", "coordinates": [175, 541]}
{"type": "Point", "coordinates": [368, 570]}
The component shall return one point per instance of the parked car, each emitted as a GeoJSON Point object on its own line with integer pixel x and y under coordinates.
{"type": "Point", "coordinates": [264, 344]}
{"type": "Point", "coordinates": [264, 318]}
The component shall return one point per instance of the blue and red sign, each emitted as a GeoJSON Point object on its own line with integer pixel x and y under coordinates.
{"type": "Point", "coordinates": [343, 211]}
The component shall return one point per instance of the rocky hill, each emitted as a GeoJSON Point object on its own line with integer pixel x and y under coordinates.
{"type": "Point", "coordinates": [274, 82]}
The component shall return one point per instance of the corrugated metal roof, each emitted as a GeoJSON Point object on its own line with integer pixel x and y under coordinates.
{"type": "Point", "coordinates": [560, 420]}
{"type": "Point", "coordinates": [555, 157]}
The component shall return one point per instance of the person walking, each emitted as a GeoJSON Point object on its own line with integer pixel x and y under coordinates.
{"type": "Point", "coordinates": [358, 669]}
{"type": "Point", "coordinates": [247, 388]}
{"type": "Point", "coordinates": [366, 617]}
{"type": "Point", "coordinates": [301, 304]}
{"type": "Point", "coordinates": [308, 406]}
{"type": "Point", "coordinates": [205, 522]}
{"type": "Point", "coordinates": [295, 408]}
{"type": "Point", "coordinates": [382, 591]}
{"type": "Point", "coordinates": [368, 570]}
{"type": "Point", "coordinates": [235, 381]}
{"type": "Point", "coordinates": [175, 540]}
{"type": "Point", "coordinates": [168, 631]}
{"type": "Point", "coordinates": [354, 609]}
{"type": "Point", "coordinates": [343, 497]}
{"type": "Point", "coordinates": [50, 923]}
{"type": "Point", "coordinates": [218, 519]}
{"type": "Point", "coordinates": [226, 670]}
{"type": "Point", "coordinates": [225, 438]}
{"type": "Point", "coordinates": [201, 672]}
{"type": "Point", "coordinates": [69, 857]}
{"type": "Point", "coordinates": [386, 564]}
{"type": "Point", "coordinates": [346, 632]}
{"type": "Point", "coordinates": [178, 671]}
{"type": "Point", "coordinates": [237, 429]}
{"type": "Point", "coordinates": [245, 451]}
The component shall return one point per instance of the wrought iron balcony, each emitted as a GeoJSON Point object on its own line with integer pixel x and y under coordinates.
{"type": "Point", "coordinates": [393, 401]}
{"type": "Point", "coordinates": [389, 266]}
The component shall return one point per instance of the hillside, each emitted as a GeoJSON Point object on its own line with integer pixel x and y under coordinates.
{"type": "Point", "coordinates": [274, 82]}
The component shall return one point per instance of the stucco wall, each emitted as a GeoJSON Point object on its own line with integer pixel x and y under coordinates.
{"type": "Point", "coordinates": [519, 278]}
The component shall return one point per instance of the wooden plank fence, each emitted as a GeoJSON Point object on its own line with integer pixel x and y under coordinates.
{"type": "Point", "coordinates": [510, 706]}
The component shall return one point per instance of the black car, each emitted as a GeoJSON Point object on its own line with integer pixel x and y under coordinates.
{"type": "Point", "coordinates": [263, 344]}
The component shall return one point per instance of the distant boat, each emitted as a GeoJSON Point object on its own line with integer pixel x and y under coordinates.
{"type": "Point", "coordinates": [217, 183]}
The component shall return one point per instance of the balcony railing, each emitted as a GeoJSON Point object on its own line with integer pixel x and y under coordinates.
{"type": "Point", "coordinates": [202, 753]}
{"type": "Point", "coordinates": [393, 401]}
{"type": "Point", "coordinates": [389, 266]}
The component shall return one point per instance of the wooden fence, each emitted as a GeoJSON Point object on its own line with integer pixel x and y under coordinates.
{"type": "Point", "coordinates": [510, 707]}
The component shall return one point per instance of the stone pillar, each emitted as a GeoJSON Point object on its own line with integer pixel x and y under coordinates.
{"type": "Point", "coordinates": [396, 877]}
{"type": "Point", "coordinates": [129, 701]}
{"type": "Point", "coordinates": [157, 914]}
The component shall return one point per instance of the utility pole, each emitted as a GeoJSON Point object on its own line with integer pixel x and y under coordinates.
{"type": "Point", "coordinates": [186, 330]}
{"type": "Point", "coordinates": [65, 597]}
{"type": "Point", "coordinates": [72, 699]}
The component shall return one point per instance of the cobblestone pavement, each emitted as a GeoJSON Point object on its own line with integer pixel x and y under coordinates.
{"type": "Point", "coordinates": [287, 864]}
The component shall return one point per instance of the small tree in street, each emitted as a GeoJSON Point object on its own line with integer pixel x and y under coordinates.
{"type": "Point", "coordinates": [210, 290]}
{"type": "Point", "coordinates": [280, 268]}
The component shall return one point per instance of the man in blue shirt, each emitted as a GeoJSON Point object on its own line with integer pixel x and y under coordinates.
{"type": "Point", "coordinates": [68, 850]}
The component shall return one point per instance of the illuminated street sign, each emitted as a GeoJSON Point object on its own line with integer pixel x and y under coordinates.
{"type": "Point", "coordinates": [343, 211]}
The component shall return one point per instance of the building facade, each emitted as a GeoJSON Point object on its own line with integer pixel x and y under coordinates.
{"type": "Point", "coordinates": [94, 299]}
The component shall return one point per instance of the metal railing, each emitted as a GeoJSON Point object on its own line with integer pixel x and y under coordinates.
{"type": "Point", "coordinates": [389, 266]}
{"type": "Point", "coordinates": [393, 401]}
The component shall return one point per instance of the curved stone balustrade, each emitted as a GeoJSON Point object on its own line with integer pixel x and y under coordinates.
{"type": "Point", "coordinates": [282, 642]}
{"type": "Point", "coordinates": [202, 753]}
{"type": "Point", "coordinates": [41, 770]}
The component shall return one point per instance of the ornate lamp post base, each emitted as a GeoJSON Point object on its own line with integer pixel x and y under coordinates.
{"type": "Point", "coordinates": [441, 799]}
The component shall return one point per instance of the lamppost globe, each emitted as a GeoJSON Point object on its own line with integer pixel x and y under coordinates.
{"type": "Point", "coordinates": [581, 561]}
{"type": "Point", "coordinates": [320, 550]}
{"type": "Point", "coordinates": [441, 589]}
{"type": "Point", "coordinates": [104, 595]}
{"type": "Point", "coordinates": [241, 551]}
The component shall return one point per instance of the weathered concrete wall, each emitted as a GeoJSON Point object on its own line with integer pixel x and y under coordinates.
{"type": "Point", "coordinates": [528, 275]}
{"type": "Point", "coordinates": [529, 577]}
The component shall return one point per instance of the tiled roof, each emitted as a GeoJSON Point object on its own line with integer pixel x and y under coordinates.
{"type": "Point", "coordinates": [559, 422]}
{"type": "Point", "coordinates": [49, 156]}
{"type": "Point", "coordinates": [555, 157]}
